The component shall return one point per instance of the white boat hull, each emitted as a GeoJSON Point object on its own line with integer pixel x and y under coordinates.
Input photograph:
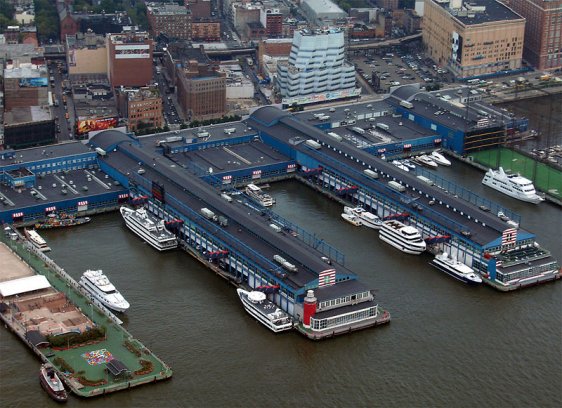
{"type": "Point", "coordinates": [534, 199]}
{"type": "Point", "coordinates": [449, 270]}
{"type": "Point", "coordinates": [402, 247]}
{"type": "Point", "coordinates": [260, 317]}
{"type": "Point", "coordinates": [145, 235]}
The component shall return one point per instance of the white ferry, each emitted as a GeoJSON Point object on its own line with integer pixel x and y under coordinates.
{"type": "Point", "coordinates": [456, 269]}
{"type": "Point", "coordinates": [405, 238]}
{"type": "Point", "coordinates": [150, 229]}
{"type": "Point", "coordinates": [426, 161]}
{"type": "Point", "coordinates": [439, 159]}
{"type": "Point", "coordinates": [512, 185]}
{"type": "Point", "coordinates": [257, 194]}
{"type": "Point", "coordinates": [264, 311]}
{"type": "Point", "coordinates": [99, 286]}
{"type": "Point", "coordinates": [352, 219]}
{"type": "Point", "coordinates": [367, 219]}
{"type": "Point", "coordinates": [36, 239]}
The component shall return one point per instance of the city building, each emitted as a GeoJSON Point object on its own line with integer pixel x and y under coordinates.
{"type": "Point", "coordinates": [316, 70]}
{"type": "Point", "coordinates": [201, 90]}
{"type": "Point", "coordinates": [86, 54]}
{"type": "Point", "coordinates": [543, 32]}
{"type": "Point", "coordinates": [129, 59]}
{"type": "Point", "coordinates": [104, 23]}
{"type": "Point", "coordinates": [272, 20]}
{"type": "Point", "coordinates": [25, 85]}
{"type": "Point", "coordinates": [318, 10]}
{"type": "Point", "coordinates": [27, 126]}
{"type": "Point", "coordinates": [170, 19]}
{"type": "Point", "coordinates": [199, 8]}
{"type": "Point", "coordinates": [388, 4]}
{"type": "Point", "coordinates": [141, 106]}
{"type": "Point", "coordinates": [67, 23]}
{"type": "Point", "coordinates": [476, 38]}
{"type": "Point", "coordinates": [205, 29]}
{"type": "Point", "coordinates": [237, 85]}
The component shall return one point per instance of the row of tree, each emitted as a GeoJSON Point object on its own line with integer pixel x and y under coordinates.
{"type": "Point", "coordinates": [6, 15]}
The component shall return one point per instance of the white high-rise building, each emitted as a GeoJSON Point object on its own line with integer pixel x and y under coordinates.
{"type": "Point", "coordinates": [316, 70]}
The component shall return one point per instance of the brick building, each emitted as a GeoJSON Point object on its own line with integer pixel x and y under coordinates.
{"type": "Point", "coordinates": [68, 24]}
{"type": "Point", "coordinates": [142, 107]}
{"type": "Point", "coordinates": [272, 20]}
{"type": "Point", "coordinates": [205, 29]}
{"type": "Point", "coordinates": [201, 91]}
{"type": "Point", "coordinates": [543, 32]}
{"type": "Point", "coordinates": [172, 20]}
{"type": "Point", "coordinates": [129, 59]}
{"type": "Point", "coordinates": [199, 8]}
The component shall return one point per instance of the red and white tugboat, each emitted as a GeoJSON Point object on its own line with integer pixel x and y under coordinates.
{"type": "Point", "coordinates": [51, 383]}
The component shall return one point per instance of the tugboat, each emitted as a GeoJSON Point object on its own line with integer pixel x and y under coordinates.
{"type": "Point", "coordinates": [51, 383]}
{"type": "Point", "coordinates": [62, 220]}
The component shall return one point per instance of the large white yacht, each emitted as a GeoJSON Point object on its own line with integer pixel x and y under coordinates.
{"type": "Point", "coordinates": [405, 238]}
{"type": "Point", "coordinates": [455, 268]}
{"type": "Point", "coordinates": [426, 161]}
{"type": "Point", "coordinates": [439, 158]}
{"type": "Point", "coordinates": [512, 185]}
{"type": "Point", "coordinates": [150, 229]}
{"type": "Point", "coordinates": [99, 286]}
{"type": "Point", "coordinates": [37, 240]}
{"type": "Point", "coordinates": [257, 194]}
{"type": "Point", "coordinates": [367, 219]}
{"type": "Point", "coordinates": [264, 311]}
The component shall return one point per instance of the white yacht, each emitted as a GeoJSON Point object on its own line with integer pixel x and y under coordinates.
{"type": "Point", "coordinates": [265, 311]}
{"type": "Point", "coordinates": [426, 161]}
{"type": "Point", "coordinates": [99, 286]}
{"type": "Point", "coordinates": [150, 229]}
{"type": "Point", "coordinates": [439, 158]}
{"type": "Point", "coordinates": [400, 165]}
{"type": "Point", "coordinates": [405, 238]}
{"type": "Point", "coordinates": [367, 218]}
{"type": "Point", "coordinates": [456, 269]}
{"type": "Point", "coordinates": [352, 219]}
{"type": "Point", "coordinates": [512, 185]}
{"type": "Point", "coordinates": [409, 164]}
{"type": "Point", "coordinates": [257, 194]}
{"type": "Point", "coordinates": [37, 240]}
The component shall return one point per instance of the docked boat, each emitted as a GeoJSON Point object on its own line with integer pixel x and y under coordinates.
{"type": "Point", "coordinates": [59, 221]}
{"type": "Point", "coordinates": [456, 269]}
{"type": "Point", "coordinates": [367, 218]}
{"type": "Point", "coordinates": [439, 159]}
{"type": "Point", "coordinates": [265, 311]}
{"type": "Point", "coordinates": [400, 165]}
{"type": "Point", "coordinates": [149, 228]}
{"type": "Point", "coordinates": [352, 219]}
{"type": "Point", "coordinates": [512, 185]}
{"type": "Point", "coordinates": [37, 240]}
{"type": "Point", "coordinates": [426, 161]}
{"type": "Point", "coordinates": [258, 194]}
{"type": "Point", "coordinates": [99, 286]}
{"type": "Point", "coordinates": [409, 164]}
{"type": "Point", "coordinates": [51, 383]}
{"type": "Point", "coordinates": [405, 238]}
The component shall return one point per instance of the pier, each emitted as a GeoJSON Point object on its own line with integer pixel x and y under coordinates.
{"type": "Point", "coordinates": [46, 319]}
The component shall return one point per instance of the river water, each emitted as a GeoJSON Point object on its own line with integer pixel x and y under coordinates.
{"type": "Point", "coordinates": [447, 345]}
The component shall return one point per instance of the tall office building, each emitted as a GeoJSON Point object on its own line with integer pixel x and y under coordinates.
{"type": "Point", "coordinates": [473, 38]}
{"type": "Point", "coordinates": [316, 70]}
{"type": "Point", "coordinates": [543, 32]}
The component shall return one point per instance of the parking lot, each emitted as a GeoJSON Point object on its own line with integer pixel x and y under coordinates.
{"type": "Point", "coordinates": [399, 67]}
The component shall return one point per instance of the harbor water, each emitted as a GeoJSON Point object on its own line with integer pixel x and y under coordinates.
{"type": "Point", "coordinates": [448, 344]}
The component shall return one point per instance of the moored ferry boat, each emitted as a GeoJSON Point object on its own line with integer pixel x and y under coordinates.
{"type": "Point", "coordinates": [367, 218]}
{"type": "Point", "coordinates": [512, 185]}
{"type": "Point", "coordinates": [63, 220]}
{"type": "Point", "coordinates": [456, 269]}
{"type": "Point", "coordinates": [37, 240]}
{"type": "Point", "coordinates": [99, 286]}
{"type": "Point", "coordinates": [257, 194]}
{"type": "Point", "coordinates": [352, 219]}
{"type": "Point", "coordinates": [405, 238]}
{"type": "Point", "coordinates": [150, 229]}
{"type": "Point", "coordinates": [265, 311]}
{"type": "Point", "coordinates": [51, 383]}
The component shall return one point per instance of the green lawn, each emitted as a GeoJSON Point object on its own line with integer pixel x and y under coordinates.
{"type": "Point", "coordinates": [545, 178]}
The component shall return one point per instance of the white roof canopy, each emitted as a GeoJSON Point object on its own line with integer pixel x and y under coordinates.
{"type": "Point", "coordinates": [23, 285]}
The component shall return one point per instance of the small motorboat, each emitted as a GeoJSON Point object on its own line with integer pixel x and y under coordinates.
{"type": "Point", "coordinates": [400, 165]}
{"type": "Point", "coordinates": [51, 383]}
{"type": "Point", "coordinates": [427, 161]}
{"type": "Point", "coordinates": [352, 219]}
